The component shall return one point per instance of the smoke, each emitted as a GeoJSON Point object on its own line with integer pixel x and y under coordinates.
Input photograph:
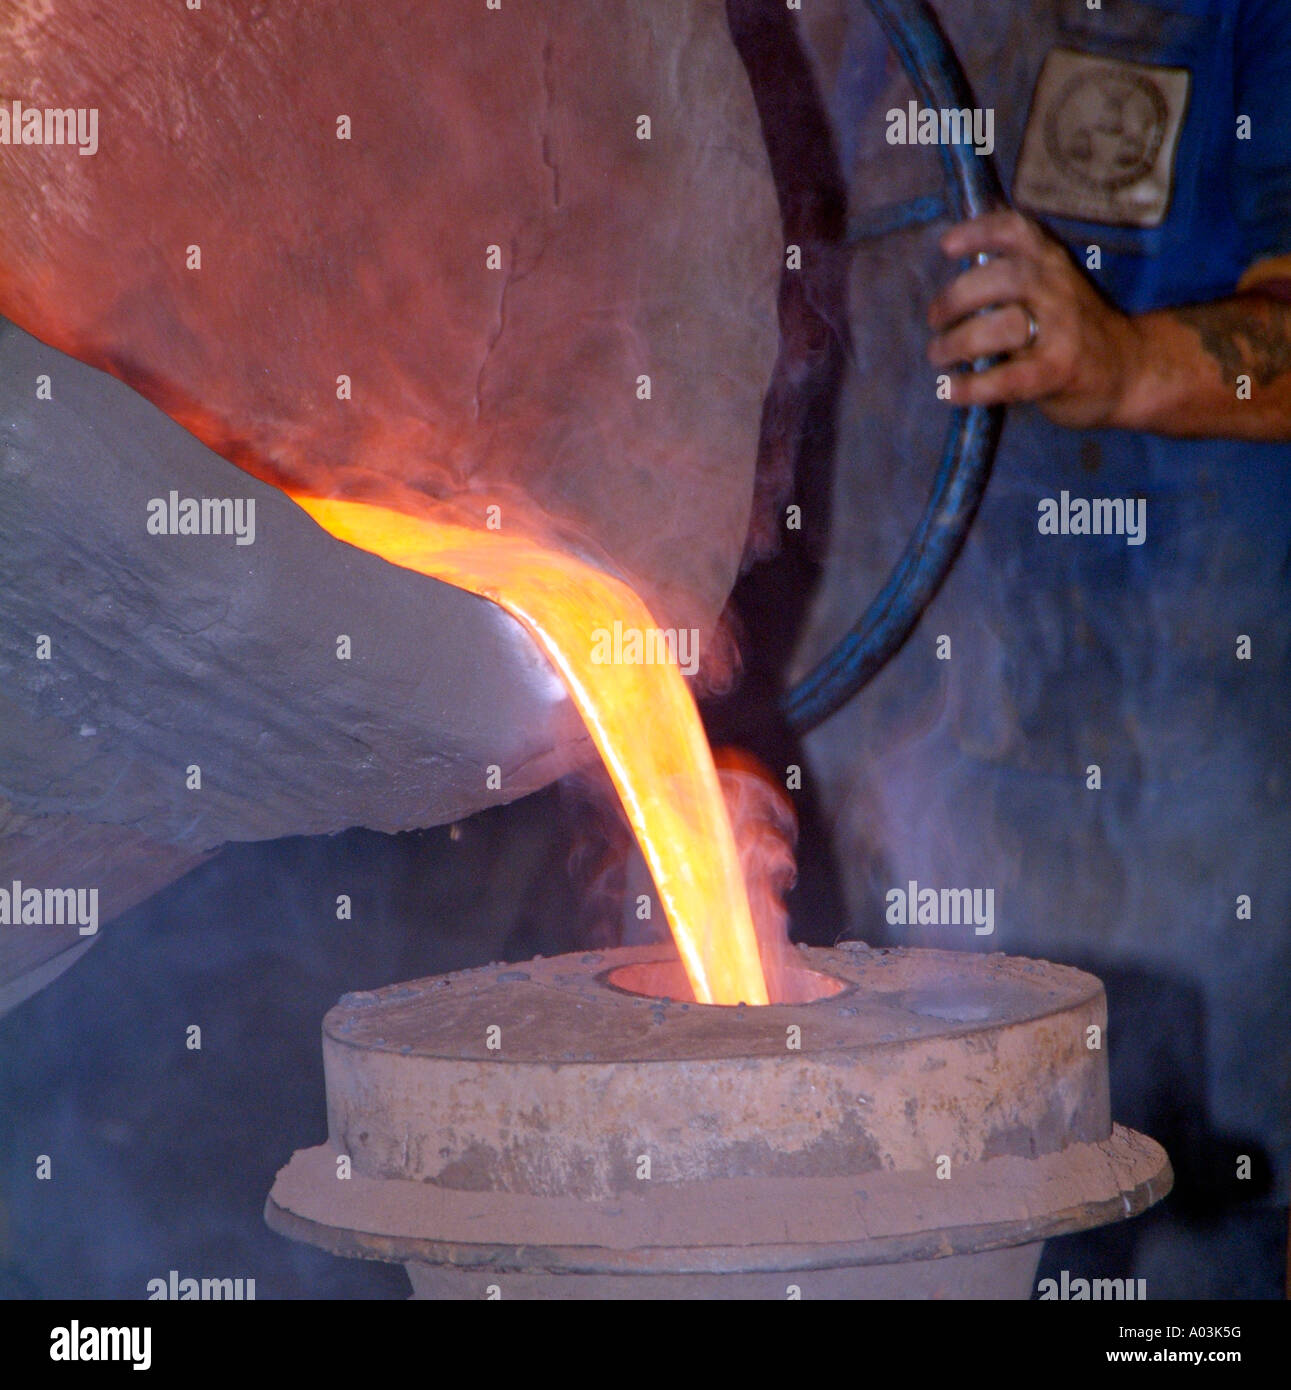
{"type": "Point", "coordinates": [606, 868]}
{"type": "Point", "coordinates": [765, 826]}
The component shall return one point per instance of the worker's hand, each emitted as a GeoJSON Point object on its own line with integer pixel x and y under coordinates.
{"type": "Point", "coordinates": [1065, 347]}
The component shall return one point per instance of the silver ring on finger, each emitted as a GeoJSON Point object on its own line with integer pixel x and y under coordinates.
{"type": "Point", "coordinates": [1033, 329]}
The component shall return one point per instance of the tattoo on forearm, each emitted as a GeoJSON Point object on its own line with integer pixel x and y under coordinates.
{"type": "Point", "coordinates": [1249, 335]}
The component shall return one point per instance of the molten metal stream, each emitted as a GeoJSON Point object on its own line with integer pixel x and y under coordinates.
{"type": "Point", "coordinates": [642, 719]}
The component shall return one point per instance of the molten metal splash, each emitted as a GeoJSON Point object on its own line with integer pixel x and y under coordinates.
{"type": "Point", "coordinates": [642, 719]}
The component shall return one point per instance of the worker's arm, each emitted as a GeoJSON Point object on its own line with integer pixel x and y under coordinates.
{"type": "Point", "coordinates": [1221, 369]}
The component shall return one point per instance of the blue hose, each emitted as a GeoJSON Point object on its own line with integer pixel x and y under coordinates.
{"type": "Point", "coordinates": [914, 33]}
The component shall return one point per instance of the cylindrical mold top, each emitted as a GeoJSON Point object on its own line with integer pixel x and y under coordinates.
{"type": "Point", "coordinates": [543, 1078]}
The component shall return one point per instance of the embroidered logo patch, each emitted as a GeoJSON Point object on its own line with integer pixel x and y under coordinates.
{"type": "Point", "coordinates": [1101, 139]}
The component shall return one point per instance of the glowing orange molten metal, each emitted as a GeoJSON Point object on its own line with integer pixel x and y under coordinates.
{"type": "Point", "coordinates": [642, 719]}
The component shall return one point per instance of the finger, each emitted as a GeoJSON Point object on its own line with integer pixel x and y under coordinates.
{"type": "Point", "coordinates": [1019, 379]}
{"type": "Point", "coordinates": [998, 232]}
{"type": "Point", "coordinates": [983, 335]}
{"type": "Point", "coordinates": [983, 287]}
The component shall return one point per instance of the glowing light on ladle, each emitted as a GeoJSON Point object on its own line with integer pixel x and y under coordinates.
{"type": "Point", "coordinates": [642, 719]}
